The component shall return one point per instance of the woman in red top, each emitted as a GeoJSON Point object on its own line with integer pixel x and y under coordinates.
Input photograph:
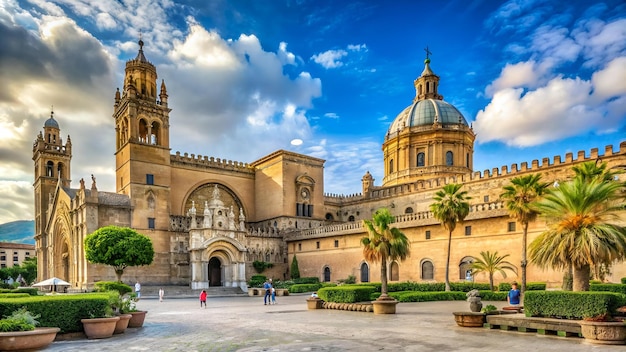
{"type": "Point", "coordinates": [203, 298]}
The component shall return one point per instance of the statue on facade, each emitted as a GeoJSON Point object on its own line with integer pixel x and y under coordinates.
{"type": "Point", "coordinates": [208, 216]}
{"type": "Point", "coordinates": [93, 182]}
{"type": "Point", "coordinates": [231, 219]}
{"type": "Point", "coordinates": [216, 193]}
{"type": "Point", "coordinates": [192, 212]}
{"type": "Point", "coordinates": [242, 220]}
{"type": "Point", "coordinates": [82, 183]}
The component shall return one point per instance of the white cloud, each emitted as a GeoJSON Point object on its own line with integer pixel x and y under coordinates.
{"type": "Point", "coordinates": [331, 115]}
{"type": "Point", "coordinates": [522, 74]}
{"type": "Point", "coordinates": [330, 58]}
{"type": "Point", "coordinates": [611, 81]}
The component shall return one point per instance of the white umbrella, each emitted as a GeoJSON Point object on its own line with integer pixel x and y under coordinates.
{"type": "Point", "coordinates": [53, 281]}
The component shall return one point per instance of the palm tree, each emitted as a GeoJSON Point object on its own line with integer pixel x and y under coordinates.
{"type": "Point", "coordinates": [492, 263]}
{"type": "Point", "coordinates": [583, 230]}
{"type": "Point", "coordinates": [450, 207]}
{"type": "Point", "coordinates": [590, 170]}
{"type": "Point", "coordinates": [384, 242]}
{"type": "Point", "coordinates": [518, 196]}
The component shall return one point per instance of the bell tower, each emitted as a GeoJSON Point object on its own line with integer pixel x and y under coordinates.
{"type": "Point", "coordinates": [142, 147]}
{"type": "Point", "coordinates": [52, 168]}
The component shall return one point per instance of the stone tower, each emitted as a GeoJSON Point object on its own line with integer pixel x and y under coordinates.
{"type": "Point", "coordinates": [52, 169]}
{"type": "Point", "coordinates": [142, 145]}
{"type": "Point", "coordinates": [428, 139]}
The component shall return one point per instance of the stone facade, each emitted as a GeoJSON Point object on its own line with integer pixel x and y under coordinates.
{"type": "Point", "coordinates": [209, 219]}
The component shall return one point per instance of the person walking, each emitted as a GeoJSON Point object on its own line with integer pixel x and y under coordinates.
{"type": "Point", "coordinates": [268, 291]}
{"type": "Point", "coordinates": [161, 294]}
{"type": "Point", "coordinates": [138, 289]}
{"type": "Point", "coordinates": [203, 298]}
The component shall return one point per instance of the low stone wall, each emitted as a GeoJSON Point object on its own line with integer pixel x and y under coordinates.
{"type": "Point", "coordinates": [261, 291]}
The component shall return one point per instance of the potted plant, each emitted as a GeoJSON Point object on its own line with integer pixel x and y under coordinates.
{"type": "Point", "coordinates": [473, 297]}
{"type": "Point", "coordinates": [603, 330]}
{"type": "Point", "coordinates": [19, 332]}
{"type": "Point", "coordinates": [100, 326]}
{"type": "Point", "coordinates": [128, 305]}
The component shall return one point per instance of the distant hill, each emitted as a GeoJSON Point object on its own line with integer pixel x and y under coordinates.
{"type": "Point", "coordinates": [21, 231]}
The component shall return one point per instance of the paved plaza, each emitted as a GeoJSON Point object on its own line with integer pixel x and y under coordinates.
{"type": "Point", "coordinates": [245, 324]}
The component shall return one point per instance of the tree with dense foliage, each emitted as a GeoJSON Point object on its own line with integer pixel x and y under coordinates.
{"type": "Point", "coordinates": [119, 247]}
{"type": "Point", "coordinates": [583, 217]}
{"type": "Point", "coordinates": [492, 263]}
{"type": "Point", "coordinates": [294, 269]}
{"type": "Point", "coordinates": [450, 208]}
{"type": "Point", "coordinates": [384, 243]}
{"type": "Point", "coordinates": [28, 271]}
{"type": "Point", "coordinates": [518, 197]}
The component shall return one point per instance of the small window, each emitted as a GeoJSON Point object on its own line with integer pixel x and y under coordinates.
{"type": "Point", "coordinates": [300, 246]}
{"type": "Point", "coordinates": [3, 257]}
{"type": "Point", "coordinates": [391, 166]}
{"type": "Point", "coordinates": [351, 218]}
{"type": "Point", "coordinates": [428, 270]}
{"type": "Point", "coordinates": [27, 253]}
{"type": "Point", "coordinates": [468, 230]}
{"type": "Point", "coordinates": [408, 210]}
{"type": "Point", "coordinates": [14, 253]}
{"type": "Point", "coordinates": [317, 244]}
{"type": "Point", "coordinates": [427, 234]}
{"type": "Point", "coordinates": [420, 159]}
{"type": "Point", "coordinates": [511, 226]}
{"type": "Point", "coordinates": [149, 179]}
{"type": "Point", "coordinates": [336, 243]}
{"type": "Point", "coordinates": [449, 158]}
{"type": "Point", "coordinates": [3, 265]}
{"type": "Point", "coordinates": [15, 259]}
{"type": "Point", "coordinates": [486, 199]}
{"type": "Point", "coordinates": [151, 223]}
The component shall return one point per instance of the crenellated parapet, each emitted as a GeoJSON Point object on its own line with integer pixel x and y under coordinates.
{"type": "Point", "coordinates": [204, 162]}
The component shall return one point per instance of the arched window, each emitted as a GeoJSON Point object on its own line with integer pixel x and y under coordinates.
{"type": "Point", "coordinates": [390, 165]}
{"type": "Point", "coordinates": [365, 272]}
{"type": "Point", "coordinates": [143, 131]}
{"type": "Point", "coordinates": [465, 268]}
{"type": "Point", "coordinates": [419, 89]}
{"type": "Point", "coordinates": [449, 158]}
{"type": "Point", "coordinates": [394, 274]}
{"type": "Point", "coordinates": [420, 159]}
{"type": "Point", "coordinates": [351, 218]}
{"type": "Point", "coordinates": [326, 274]}
{"type": "Point", "coordinates": [330, 216]}
{"type": "Point", "coordinates": [60, 170]}
{"type": "Point", "coordinates": [428, 270]}
{"type": "Point", "coordinates": [467, 160]}
{"type": "Point", "coordinates": [50, 169]}
{"type": "Point", "coordinates": [155, 134]}
{"type": "Point", "coordinates": [408, 210]}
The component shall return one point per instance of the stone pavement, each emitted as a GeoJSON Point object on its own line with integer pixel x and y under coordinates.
{"type": "Point", "coordinates": [245, 324]}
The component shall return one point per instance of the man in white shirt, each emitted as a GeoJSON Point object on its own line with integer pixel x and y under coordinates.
{"type": "Point", "coordinates": [138, 289]}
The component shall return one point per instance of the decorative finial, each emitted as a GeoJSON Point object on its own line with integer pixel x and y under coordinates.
{"type": "Point", "coordinates": [140, 41]}
{"type": "Point", "coordinates": [428, 53]}
{"type": "Point", "coordinates": [51, 111]}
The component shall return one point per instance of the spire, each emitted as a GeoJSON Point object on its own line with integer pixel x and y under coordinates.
{"type": "Point", "coordinates": [427, 83]}
{"type": "Point", "coordinates": [427, 71]}
{"type": "Point", "coordinates": [163, 95]}
{"type": "Point", "coordinates": [140, 56]}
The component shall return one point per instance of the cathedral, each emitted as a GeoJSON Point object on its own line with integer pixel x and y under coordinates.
{"type": "Point", "coordinates": [210, 219]}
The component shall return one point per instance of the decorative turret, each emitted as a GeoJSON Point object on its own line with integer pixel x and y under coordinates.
{"type": "Point", "coordinates": [368, 183]}
{"type": "Point", "coordinates": [163, 95]}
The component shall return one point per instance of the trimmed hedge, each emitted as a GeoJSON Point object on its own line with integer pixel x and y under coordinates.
{"type": "Point", "coordinates": [307, 280]}
{"type": "Point", "coordinates": [257, 281]}
{"type": "Point", "coordinates": [530, 286]}
{"type": "Point", "coordinates": [13, 295]}
{"type": "Point", "coordinates": [30, 290]}
{"type": "Point", "coordinates": [572, 305]}
{"type": "Point", "coordinates": [121, 288]}
{"type": "Point", "coordinates": [62, 311]}
{"type": "Point", "coordinates": [623, 280]}
{"type": "Point", "coordinates": [619, 288]}
{"type": "Point", "coordinates": [346, 293]}
{"type": "Point", "coordinates": [300, 288]}
{"type": "Point", "coordinates": [427, 296]}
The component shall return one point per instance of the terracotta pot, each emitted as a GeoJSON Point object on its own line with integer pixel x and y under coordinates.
{"type": "Point", "coordinates": [136, 321]}
{"type": "Point", "coordinates": [603, 332]}
{"type": "Point", "coordinates": [122, 324]}
{"type": "Point", "coordinates": [99, 328]}
{"type": "Point", "coordinates": [385, 306]}
{"type": "Point", "coordinates": [469, 319]}
{"type": "Point", "coordinates": [314, 303]}
{"type": "Point", "coordinates": [27, 340]}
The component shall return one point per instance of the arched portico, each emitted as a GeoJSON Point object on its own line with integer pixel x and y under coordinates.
{"type": "Point", "coordinates": [219, 261]}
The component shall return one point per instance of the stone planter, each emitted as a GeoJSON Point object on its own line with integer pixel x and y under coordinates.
{"type": "Point", "coordinates": [385, 306]}
{"type": "Point", "coordinates": [314, 303]}
{"type": "Point", "coordinates": [99, 328]}
{"type": "Point", "coordinates": [469, 319]}
{"type": "Point", "coordinates": [136, 321]}
{"type": "Point", "coordinates": [603, 332]}
{"type": "Point", "coordinates": [27, 340]}
{"type": "Point", "coordinates": [122, 324]}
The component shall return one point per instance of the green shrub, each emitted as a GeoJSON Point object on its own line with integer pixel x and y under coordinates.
{"type": "Point", "coordinates": [63, 311]}
{"type": "Point", "coordinates": [623, 280]}
{"type": "Point", "coordinates": [488, 295]}
{"type": "Point", "coordinates": [489, 309]}
{"type": "Point", "coordinates": [13, 295]}
{"type": "Point", "coordinates": [30, 290]}
{"type": "Point", "coordinates": [328, 284]}
{"type": "Point", "coordinates": [260, 266]}
{"type": "Point", "coordinates": [307, 280]}
{"type": "Point", "coordinates": [417, 296]}
{"type": "Point", "coordinates": [594, 282]}
{"type": "Point", "coordinates": [19, 320]}
{"type": "Point", "coordinates": [345, 293]}
{"type": "Point", "coordinates": [349, 281]}
{"type": "Point", "coordinates": [121, 288]}
{"type": "Point", "coordinates": [572, 305]}
{"type": "Point", "coordinates": [619, 288]}
{"type": "Point", "coordinates": [468, 286]}
{"type": "Point", "coordinates": [257, 281]}
{"type": "Point", "coordinates": [300, 288]}
{"type": "Point", "coordinates": [530, 286]}
{"type": "Point", "coordinates": [294, 269]}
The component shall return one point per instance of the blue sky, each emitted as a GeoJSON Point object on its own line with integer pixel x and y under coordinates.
{"type": "Point", "coordinates": [245, 78]}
